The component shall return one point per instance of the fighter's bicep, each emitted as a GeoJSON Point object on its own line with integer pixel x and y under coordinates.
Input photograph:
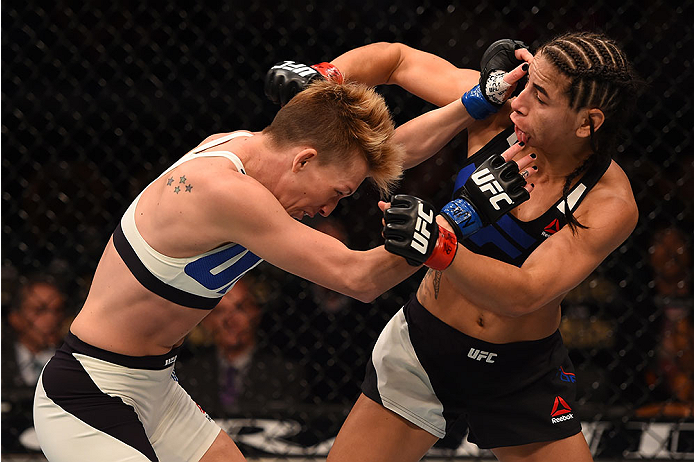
{"type": "Point", "coordinates": [566, 258]}
{"type": "Point", "coordinates": [558, 265]}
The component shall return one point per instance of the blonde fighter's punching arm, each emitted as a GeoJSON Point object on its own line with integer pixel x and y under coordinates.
{"type": "Point", "coordinates": [252, 216]}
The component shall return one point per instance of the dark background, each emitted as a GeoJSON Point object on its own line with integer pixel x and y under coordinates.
{"type": "Point", "coordinates": [99, 97]}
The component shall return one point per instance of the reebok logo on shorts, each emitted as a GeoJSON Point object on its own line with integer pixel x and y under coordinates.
{"type": "Point", "coordinates": [561, 411]}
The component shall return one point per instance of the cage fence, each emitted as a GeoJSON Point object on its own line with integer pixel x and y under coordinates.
{"type": "Point", "coordinates": [99, 97]}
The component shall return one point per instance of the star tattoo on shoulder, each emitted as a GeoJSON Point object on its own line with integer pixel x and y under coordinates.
{"type": "Point", "coordinates": [177, 189]}
{"type": "Point", "coordinates": [182, 179]}
{"type": "Point", "coordinates": [189, 188]}
{"type": "Point", "coordinates": [169, 181]}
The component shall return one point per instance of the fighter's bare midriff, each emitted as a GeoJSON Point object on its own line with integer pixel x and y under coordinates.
{"type": "Point", "coordinates": [453, 308]}
{"type": "Point", "coordinates": [121, 316]}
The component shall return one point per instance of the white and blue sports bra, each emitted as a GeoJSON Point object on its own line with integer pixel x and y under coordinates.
{"type": "Point", "coordinates": [196, 282]}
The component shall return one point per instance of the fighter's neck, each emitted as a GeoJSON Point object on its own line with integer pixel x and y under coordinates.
{"type": "Point", "coordinates": [558, 166]}
{"type": "Point", "coordinates": [261, 161]}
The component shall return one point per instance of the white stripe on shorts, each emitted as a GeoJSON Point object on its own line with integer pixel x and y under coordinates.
{"type": "Point", "coordinates": [403, 384]}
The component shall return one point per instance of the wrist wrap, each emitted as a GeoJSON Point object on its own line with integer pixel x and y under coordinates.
{"type": "Point", "coordinates": [462, 217]}
{"type": "Point", "coordinates": [444, 251]}
{"type": "Point", "coordinates": [477, 105]}
{"type": "Point", "coordinates": [329, 71]}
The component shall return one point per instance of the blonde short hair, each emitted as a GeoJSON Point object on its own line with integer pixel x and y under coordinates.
{"type": "Point", "coordinates": [339, 119]}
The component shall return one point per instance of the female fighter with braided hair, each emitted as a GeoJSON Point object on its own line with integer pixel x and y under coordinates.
{"type": "Point", "coordinates": [480, 340]}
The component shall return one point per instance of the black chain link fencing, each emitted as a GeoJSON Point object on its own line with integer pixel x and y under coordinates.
{"type": "Point", "coordinates": [99, 97]}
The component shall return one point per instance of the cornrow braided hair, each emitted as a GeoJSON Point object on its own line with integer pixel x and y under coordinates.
{"type": "Point", "coordinates": [600, 77]}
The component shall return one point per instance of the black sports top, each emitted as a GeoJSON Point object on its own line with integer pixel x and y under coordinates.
{"type": "Point", "coordinates": [510, 239]}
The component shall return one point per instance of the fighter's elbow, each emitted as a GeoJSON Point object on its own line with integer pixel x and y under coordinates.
{"type": "Point", "coordinates": [364, 292]}
{"type": "Point", "coordinates": [367, 298]}
{"type": "Point", "coordinates": [371, 287]}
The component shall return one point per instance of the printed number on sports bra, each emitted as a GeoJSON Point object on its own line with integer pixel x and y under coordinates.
{"type": "Point", "coordinates": [219, 270]}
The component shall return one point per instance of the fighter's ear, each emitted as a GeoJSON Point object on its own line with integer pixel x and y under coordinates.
{"type": "Point", "coordinates": [302, 159]}
{"type": "Point", "coordinates": [592, 116]}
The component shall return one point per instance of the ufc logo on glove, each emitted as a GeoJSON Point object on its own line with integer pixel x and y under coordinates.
{"type": "Point", "coordinates": [420, 239]}
{"type": "Point", "coordinates": [486, 182]}
{"type": "Point", "coordinates": [300, 69]}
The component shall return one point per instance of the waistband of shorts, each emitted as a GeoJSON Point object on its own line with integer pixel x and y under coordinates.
{"type": "Point", "coordinates": [72, 344]}
{"type": "Point", "coordinates": [413, 308]}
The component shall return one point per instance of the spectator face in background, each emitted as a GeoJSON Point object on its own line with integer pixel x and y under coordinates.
{"type": "Point", "coordinates": [38, 319]}
{"type": "Point", "coordinates": [671, 261]}
{"type": "Point", "coordinates": [234, 321]}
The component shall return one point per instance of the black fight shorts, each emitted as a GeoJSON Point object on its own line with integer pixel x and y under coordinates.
{"type": "Point", "coordinates": [510, 394]}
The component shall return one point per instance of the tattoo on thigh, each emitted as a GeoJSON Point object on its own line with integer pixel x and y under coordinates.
{"type": "Point", "coordinates": [187, 187]}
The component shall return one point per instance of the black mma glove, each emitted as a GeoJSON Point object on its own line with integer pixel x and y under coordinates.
{"type": "Point", "coordinates": [493, 189]}
{"type": "Point", "coordinates": [500, 56]}
{"type": "Point", "coordinates": [411, 231]}
{"type": "Point", "coordinates": [490, 94]}
{"type": "Point", "coordinates": [287, 78]}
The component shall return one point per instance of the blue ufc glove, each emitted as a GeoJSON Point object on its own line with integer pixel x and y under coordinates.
{"type": "Point", "coordinates": [490, 94]}
{"type": "Point", "coordinates": [493, 189]}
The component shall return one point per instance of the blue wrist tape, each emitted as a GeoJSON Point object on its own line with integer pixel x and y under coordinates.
{"type": "Point", "coordinates": [462, 215]}
{"type": "Point", "coordinates": [477, 105]}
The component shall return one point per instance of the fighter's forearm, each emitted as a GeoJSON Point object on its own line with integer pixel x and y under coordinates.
{"type": "Point", "coordinates": [493, 285]}
{"type": "Point", "coordinates": [425, 135]}
{"type": "Point", "coordinates": [488, 283]}
{"type": "Point", "coordinates": [375, 272]}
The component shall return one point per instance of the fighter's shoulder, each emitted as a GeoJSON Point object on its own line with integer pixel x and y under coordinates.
{"type": "Point", "coordinates": [615, 183]}
{"type": "Point", "coordinates": [231, 203]}
{"type": "Point", "coordinates": [203, 173]}
{"type": "Point", "coordinates": [213, 137]}
{"type": "Point", "coordinates": [225, 184]}
{"type": "Point", "coordinates": [612, 200]}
